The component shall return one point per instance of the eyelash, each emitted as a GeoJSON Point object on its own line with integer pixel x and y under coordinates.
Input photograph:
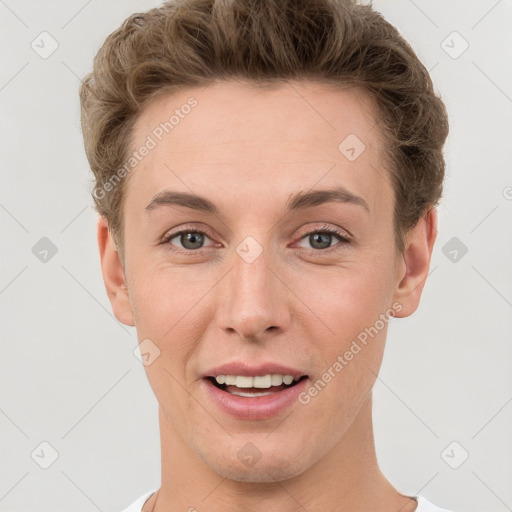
{"type": "Point", "coordinates": [341, 235]}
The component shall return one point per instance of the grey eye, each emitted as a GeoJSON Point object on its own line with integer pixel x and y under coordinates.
{"type": "Point", "coordinates": [189, 239]}
{"type": "Point", "coordinates": [320, 240]}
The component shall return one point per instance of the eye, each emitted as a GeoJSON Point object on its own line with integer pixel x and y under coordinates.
{"type": "Point", "coordinates": [190, 239]}
{"type": "Point", "coordinates": [321, 239]}
{"type": "Point", "coordinates": [193, 240]}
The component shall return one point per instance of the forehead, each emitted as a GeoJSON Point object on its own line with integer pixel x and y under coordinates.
{"type": "Point", "coordinates": [235, 136]}
{"type": "Point", "coordinates": [232, 111]}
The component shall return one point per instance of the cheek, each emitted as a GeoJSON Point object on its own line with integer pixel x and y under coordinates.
{"type": "Point", "coordinates": [351, 350]}
{"type": "Point", "coordinates": [173, 309]}
{"type": "Point", "coordinates": [354, 306]}
{"type": "Point", "coordinates": [166, 307]}
{"type": "Point", "coordinates": [349, 299]}
{"type": "Point", "coordinates": [162, 298]}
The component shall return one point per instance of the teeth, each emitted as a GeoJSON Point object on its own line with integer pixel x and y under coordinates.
{"type": "Point", "coordinates": [251, 395]}
{"type": "Point", "coordinates": [287, 379]}
{"type": "Point", "coordinates": [243, 382]}
{"type": "Point", "coordinates": [277, 380]}
{"type": "Point", "coordinates": [259, 381]}
{"type": "Point", "coordinates": [262, 382]}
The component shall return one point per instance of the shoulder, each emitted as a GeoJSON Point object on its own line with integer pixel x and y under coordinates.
{"type": "Point", "coordinates": [137, 505]}
{"type": "Point", "coordinates": [426, 506]}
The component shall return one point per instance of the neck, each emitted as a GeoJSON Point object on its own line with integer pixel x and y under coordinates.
{"type": "Point", "coordinates": [347, 478]}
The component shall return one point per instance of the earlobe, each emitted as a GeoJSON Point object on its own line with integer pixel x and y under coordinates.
{"type": "Point", "coordinates": [416, 262]}
{"type": "Point", "coordinates": [114, 275]}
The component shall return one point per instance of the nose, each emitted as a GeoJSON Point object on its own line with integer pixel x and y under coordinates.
{"type": "Point", "coordinates": [255, 300]}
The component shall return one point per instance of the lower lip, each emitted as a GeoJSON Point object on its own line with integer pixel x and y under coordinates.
{"type": "Point", "coordinates": [258, 407]}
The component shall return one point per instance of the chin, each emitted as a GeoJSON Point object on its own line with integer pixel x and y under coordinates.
{"type": "Point", "coordinates": [273, 465]}
{"type": "Point", "coordinates": [264, 473]}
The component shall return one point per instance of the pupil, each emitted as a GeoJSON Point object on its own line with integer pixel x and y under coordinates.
{"type": "Point", "coordinates": [319, 236]}
{"type": "Point", "coordinates": [194, 238]}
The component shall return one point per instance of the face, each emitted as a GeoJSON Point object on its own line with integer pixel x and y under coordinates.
{"type": "Point", "coordinates": [286, 265]}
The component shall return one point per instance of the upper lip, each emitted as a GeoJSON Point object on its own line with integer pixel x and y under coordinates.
{"type": "Point", "coordinates": [252, 370]}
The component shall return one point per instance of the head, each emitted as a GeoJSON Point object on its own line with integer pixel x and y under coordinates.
{"type": "Point", "coordinates": [239, 120]}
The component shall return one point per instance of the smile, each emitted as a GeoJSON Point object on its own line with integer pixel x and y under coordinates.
{"type": "Point", "coordinates": [256, 397]}
{"type": "Point", "coordinates": [259, 385]}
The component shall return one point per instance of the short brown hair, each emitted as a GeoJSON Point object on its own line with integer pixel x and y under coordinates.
{"type": "Point", "coordinates": [188, 43]}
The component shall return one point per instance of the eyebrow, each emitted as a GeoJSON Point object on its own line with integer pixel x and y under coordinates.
{"type": "Point", "coordinates": [297, 201]}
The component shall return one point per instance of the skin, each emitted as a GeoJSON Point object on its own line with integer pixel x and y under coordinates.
{"type": "Point", "coordinates": [247, 149]}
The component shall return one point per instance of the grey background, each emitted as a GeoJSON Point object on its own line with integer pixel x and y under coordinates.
{"type": "Point", "coordinates": [68, 374]}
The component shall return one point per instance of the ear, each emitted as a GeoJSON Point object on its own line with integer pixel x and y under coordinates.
{"type": "Point", "coordinates": [415, 262]}
{"type": "Point", "coordinates": [113, 275]}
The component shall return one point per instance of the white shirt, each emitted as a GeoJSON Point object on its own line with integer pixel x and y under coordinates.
{"type": "Point", "coordinates": [423, 504]}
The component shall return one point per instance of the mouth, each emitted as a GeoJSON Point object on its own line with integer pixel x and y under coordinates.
{"type": "Point", "coordinates": [257, 391]}
{"type": "Point", "coordinates": [255, 386]}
